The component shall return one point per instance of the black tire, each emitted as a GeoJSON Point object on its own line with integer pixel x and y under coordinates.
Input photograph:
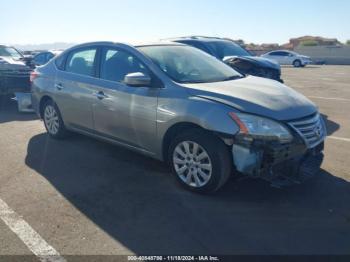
{"type": "Point", "coordinates": [61, 129]}
{"type": "Point", "coordinates": [297, 63]}
{"type": "Point", "coordinates": [218, 152]}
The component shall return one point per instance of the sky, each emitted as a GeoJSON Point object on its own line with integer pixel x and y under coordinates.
{"type": "Point", "coordinates": [76, 21]}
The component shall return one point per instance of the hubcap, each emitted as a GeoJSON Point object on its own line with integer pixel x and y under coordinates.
{"type": "Point", "coordinates": [51, 120]}
{"type": "Point", "coordinates": [192, 164]}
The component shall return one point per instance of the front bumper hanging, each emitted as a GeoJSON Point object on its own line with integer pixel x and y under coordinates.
{"type": "Point", "coordinates": [281, 165]}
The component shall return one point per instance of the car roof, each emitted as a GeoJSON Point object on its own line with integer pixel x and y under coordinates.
{"type": "Point", "coordinates": [111, 43]}
{"type": "Point", "coordinates": [135, 44]}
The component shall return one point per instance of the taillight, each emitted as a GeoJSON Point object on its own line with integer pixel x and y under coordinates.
{"type": "Point", "coordinates": [33, 76]}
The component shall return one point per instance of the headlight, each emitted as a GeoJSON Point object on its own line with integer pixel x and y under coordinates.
{"type": "Point", "coordinates": [260, 127]}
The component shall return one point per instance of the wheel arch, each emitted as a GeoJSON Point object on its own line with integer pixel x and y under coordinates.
{"type": "Point", "coordinates": [297, 60]}
{"type": "Point", "coordinates": [172, 132]}
{"type": "Point", "coordinates": [42, 102]}
{"type": "Point", "coordinates": [182, 127]}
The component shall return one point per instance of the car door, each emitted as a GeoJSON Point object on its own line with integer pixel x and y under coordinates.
{"type": "Point", "coordinates": [290, 57]}
{"type": "Point", "coordinates": [285, 58]}
{"type": "Point", "coordinates": [124, 113]}
{"type": "Point", "coordinates": [75, 88]}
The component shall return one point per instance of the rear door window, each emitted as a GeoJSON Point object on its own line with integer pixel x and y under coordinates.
{"type": "Point", "coordinates": [82, 62]}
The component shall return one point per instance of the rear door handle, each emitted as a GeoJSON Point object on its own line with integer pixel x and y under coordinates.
{"type": "Point", "coordinates": [100, 95]}
{"type": "Point", "coordinates": [59, 86]}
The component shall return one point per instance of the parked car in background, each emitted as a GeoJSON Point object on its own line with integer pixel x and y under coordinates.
{"type": "Point", "coordinates": [14, 71]}
{"type": "Point", "coordinates": [234, 55]}
{"type": "Point", "coordinates": [175, 103]}
{"type": "Point", "coordinates": [28, 57]}
{"type": "Point", "coordinates": [26, 53]}
{"type": "Point", "coordinates": [43, 57]}
{"type": "Point", "coordinates": [286, 57]}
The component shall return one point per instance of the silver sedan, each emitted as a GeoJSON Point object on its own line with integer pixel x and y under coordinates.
{"type": "Point", "coordinates": [180, 105]}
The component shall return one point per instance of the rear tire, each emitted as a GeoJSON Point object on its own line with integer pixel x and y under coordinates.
{"type": "Point", "coordinates": [53, 121]}
{"type": "Point", "coordinates": [200, 161]}
{"type": "Point", "coordinates": [297, 63]}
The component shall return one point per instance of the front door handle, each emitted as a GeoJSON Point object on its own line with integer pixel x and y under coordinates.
{"type": "Point", "coordinates": [100, 95]}
{"type": "Point", "coordinates": [59, 86]}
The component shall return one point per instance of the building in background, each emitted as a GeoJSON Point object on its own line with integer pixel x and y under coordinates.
{"type": "Point", "coordinates": [313, 41]}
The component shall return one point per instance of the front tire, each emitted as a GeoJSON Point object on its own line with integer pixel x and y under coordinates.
{"type": "Point", "coordinates": [200, 161]}
{"type": "Point", "coordinates": [53, 121]}
{"type": "Point", "coordinates": [297, 63]}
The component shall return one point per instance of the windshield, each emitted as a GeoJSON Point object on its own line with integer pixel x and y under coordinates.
{"type": "Point", "coordinates": [186, 64]}
{"type": "Point", "coordinates": [10, 52]}
{"type": "Point", "coordinates": [227, 48]}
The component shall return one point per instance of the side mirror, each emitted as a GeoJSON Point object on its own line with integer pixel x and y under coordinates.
{"type": "Point", "coordinates": [137, 79]}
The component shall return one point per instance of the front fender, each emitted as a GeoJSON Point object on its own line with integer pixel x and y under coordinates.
{"type": "Point", "coordinates": [207, 114]}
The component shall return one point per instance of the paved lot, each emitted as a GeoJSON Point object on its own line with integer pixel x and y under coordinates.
{"type": "Point", "coordinates": [87, 197]}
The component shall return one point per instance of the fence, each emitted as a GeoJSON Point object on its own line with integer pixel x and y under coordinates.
{"type": "Point", "coordinates": [331, 55]}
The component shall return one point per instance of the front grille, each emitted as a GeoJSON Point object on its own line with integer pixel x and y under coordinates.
{"type": "Point", "coordinates": [311, 129]}
{"type": "Point", "coordinates": [16, 73]}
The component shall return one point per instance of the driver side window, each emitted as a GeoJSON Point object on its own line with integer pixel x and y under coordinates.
{"type": "Point", "coordinates": [116, 64]}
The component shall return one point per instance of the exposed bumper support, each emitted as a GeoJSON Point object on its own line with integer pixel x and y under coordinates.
{"type": "Point", "coordinates": [279, 164]}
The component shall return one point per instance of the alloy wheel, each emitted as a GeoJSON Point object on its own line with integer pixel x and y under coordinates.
{"type": "Point", "coordinates": [192, 164]}
{"type": "Point", "coordinates": [51, 119]}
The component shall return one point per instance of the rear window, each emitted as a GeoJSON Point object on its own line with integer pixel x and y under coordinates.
{"type": "Point", "coordinates": [224, 49]}
{"type": "Point", "coordinates": [60, 61]}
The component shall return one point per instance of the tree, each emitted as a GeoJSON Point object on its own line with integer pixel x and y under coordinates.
{"type": "Point", "coordinates": [348, 42]}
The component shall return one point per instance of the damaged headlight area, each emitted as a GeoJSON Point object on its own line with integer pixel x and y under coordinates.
{"type": "Point", "coordinates": [256, 127]}
{"type": "Point", "coordinates": [267, 149]}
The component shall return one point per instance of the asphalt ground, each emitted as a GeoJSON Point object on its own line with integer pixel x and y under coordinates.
{"type": "Point", "coordinates": [85, 197]}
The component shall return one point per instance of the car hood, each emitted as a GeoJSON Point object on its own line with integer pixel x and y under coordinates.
{"type": "Point", "coordinates": [12, 64]}
{"type": "Point", "coordinates": [260, 61]}
{"type": "Point", "coordinates": [258, 96]}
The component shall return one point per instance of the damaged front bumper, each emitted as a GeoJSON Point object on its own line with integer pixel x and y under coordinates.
{"type": "Point", "coordinates": [280, 164]}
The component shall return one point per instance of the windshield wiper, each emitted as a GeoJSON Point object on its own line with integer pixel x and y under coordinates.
{"type": "Point", "coordinates": [233, 78]}
{"type": "Point", "coordinates": [211, 81]}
